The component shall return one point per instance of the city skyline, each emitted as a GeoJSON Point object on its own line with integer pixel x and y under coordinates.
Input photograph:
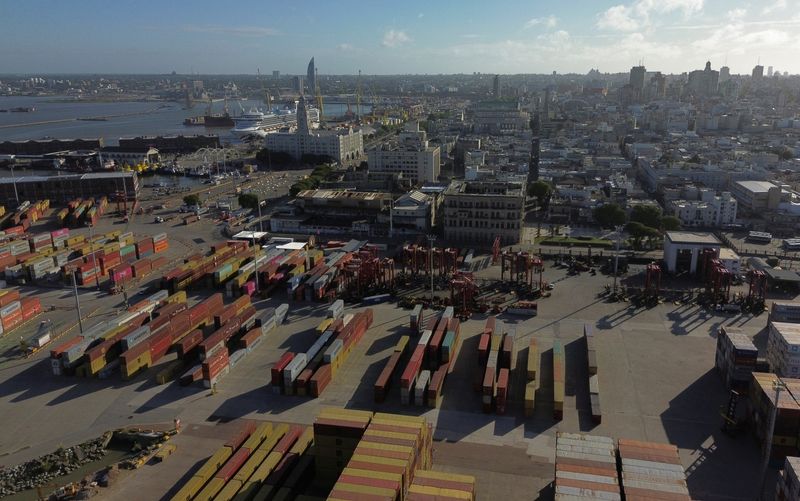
{"type": "Point", "coordinates": [672, 36]}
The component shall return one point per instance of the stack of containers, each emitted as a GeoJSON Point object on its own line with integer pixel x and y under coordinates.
{"type": "Point", "coordinates": [736, 358]}
{"type": "Point", "coordinates": [120, 274]}
{"type": "Point", "coordinates": [109, 260]}
{"type": "Point", "coordinates": [254, 448]}
{"type": "Point", "coordinates": [421, 387]}
{"type": "Point", "coordinates": [594, 379]}
{"type": "Point", "coordinates": [786, 416]}
{"type": "Point", "coordinates": [336, 310]}
{"type": "Point", "coordinates": [558, 379]}
{"type": "Point", "coordinates": [141, 268]}
{"type": "Point", "coordinates": [652, 471]}
{"type": "Point", "coordinates": [277, 372]}
{"type": "Point", "coordinates": [40, 242]}
{"type": "Point", "coordinates": [783, 348]}
{"type": "Point", "coordinates": [215, 367]}
{"type": "Point", "coordinates": [346, 338]}
{"type": "Point", "coordinates": [11, 316]}
{"type": "Point", "coordinates": [789, 482]}
{"type": "Point", "coordinates": [59, 238]}
{"type": "Point", "coordinates": [409, 376]}
{"type": "Point", "coordinates": [386, 459]}
{"type": "Point", "coordinates": [232, 465]}
{"type": "Point", "coordinates": [493, 365]}
{"type": "Point", "coordinates": [502, 390]}
{"type": "Point", "coordinates": [144, 247]}
{"type": "Point", "coordinates": [160, 243]}
{"type": "Point", "coordinates": [785, 311]}
{"type": "Point", "coordinates": [586, 468]}
{"type": "Point", "coordinates": [434, 485]}
{"type": "Point", "coordinates": [337, 433]}
{"type": "Point", "coordinates": [383, 382]}
{"type": "Point", "coordinates": [532, 380]}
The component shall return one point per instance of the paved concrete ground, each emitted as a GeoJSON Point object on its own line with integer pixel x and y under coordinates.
{"type": "Point", "coordinates": [656, 377]}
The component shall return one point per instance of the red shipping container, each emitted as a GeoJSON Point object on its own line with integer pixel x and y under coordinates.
{"type": "Point", "coordinates": [66, 345]}
{"type": "Point", "coordinates": [320, 380]}
{"type": "Point", "coordinates": [189, 342]}
{"type": "Point", "coordinates": [490, 325]}
{"type": "Point", "coordinates": [277, 369]}
{"type": "Point", "coordinates": [159, 344]}
{"type": "Point", "coordinates": [288, 440]}
{"type": "Point", "coordinates": [233, 464]}
{"type": "Point", "coordinates": [250, 338]}
{"type": "Point", "coordinates": [9, 297]}
{"type": "Point", "coordinates": [242, 434]}
{"type": "Point", "coordinates": [412, 369]}
{"type": "Point", "coordinates": [12, 321]}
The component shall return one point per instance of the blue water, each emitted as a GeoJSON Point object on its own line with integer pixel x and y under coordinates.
{"type": "Point", "coordinates": [154, 118]}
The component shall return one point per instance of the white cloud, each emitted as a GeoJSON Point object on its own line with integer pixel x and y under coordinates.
{"type": "Point", "coordinates": [618, 18]}
{"type": "Point", "coordinates": [420, 15]}
{"type": "Point", "coordinates": [636, 15]}
{"type": "Point", "coordinates": [395, 38]}
{"type": "Point", "coordinates": [550, 21]}
{"type": "Point", "coordinates": [736, 14]}
{"type": "Point", "coordinates": [345, 47]}
{"type": "Point", "coordinates": [774, 6]}
{"type": "Point", "coordinates": [470, 35]}
{"type": "Point", "coordinates": [241, 31]}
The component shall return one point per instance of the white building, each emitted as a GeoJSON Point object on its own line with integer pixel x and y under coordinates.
{"type": "Point", "coordinates": [682, 249]}
{"type": "Point", "coordinates": [341, 145]}
{"type": "Point", "coordinates": [410, 154]}
{"type": "Point", "coordinates": [783, 349]}
{"type": "Point", "coordinates": [710, 211]}
{"type": "Point", "coordinates": [412, 213]}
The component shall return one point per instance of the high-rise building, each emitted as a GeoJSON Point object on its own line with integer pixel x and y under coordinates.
{"type": "Point", "coordinates": [533, 164]}
{"type": "Point", "coordinates": [297, 83]}
{"type": "Point", "coordinates": [724, 74]}
{"type": "Point", "coordinates": [496, 87]}
{"type": "Point", "coordinates": [410, 154]}
{"type": "Point", "coordinates": [276, 73]}
{"type": "Point", "coordinates": [703, 82]}
{"type": "Point", "coordinates": [311, 78]}
{"type": "Point", "coordinates": [478, 211]}
{"type": "Point", "coordinates": [758, 71]}
{"type": "Point", "coordinates": [637, 81]}
{"type": "Point", "coordinates": [769, 71]}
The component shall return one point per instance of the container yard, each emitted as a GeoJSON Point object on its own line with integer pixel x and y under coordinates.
{"type": "Point", "coordinates": [217, 331]}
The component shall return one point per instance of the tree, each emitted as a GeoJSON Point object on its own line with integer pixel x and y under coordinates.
{"type": "Point", "coordinates": [193, 199]}
{"type": "Point", "coordinates": [609, 215]}
{"type": "Point", "coordinates": [542, 191]}
{"type": "Point", "coordinates": [670, 223]}
{"type": "Point", "coordinates": [648, 215]}
{"type": "Point", "coordinates": [248, 200]}
{"type": "Point", "coordinates": [638, 232]}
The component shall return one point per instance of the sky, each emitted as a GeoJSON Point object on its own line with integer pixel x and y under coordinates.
{"type": "Point", "coordinates": [391, 37]}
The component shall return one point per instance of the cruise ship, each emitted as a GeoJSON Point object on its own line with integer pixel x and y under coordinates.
{"type": "Point", "coordinates": [257, 123]}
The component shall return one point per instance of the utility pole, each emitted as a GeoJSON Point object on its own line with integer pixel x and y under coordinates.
{"type": "Point", "coordinates": [431, 239]}
{"type": "Point", "coordinates": [778, 386]}
{"type": "Point", "coordinates": [616, 256]}
{"type": "Point", "coordinates": [255, 256]}
{"type": "Point", "coordinates": [14, 181]}
{"type": "Point", "coordinates": [77, 301]}
{"type": "Point", "coordinates": [260, 221]}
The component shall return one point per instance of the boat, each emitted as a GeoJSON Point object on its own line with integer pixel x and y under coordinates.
{"type": "Point", "coordinates": [219, 120]}
{"type": "Point", "coordinates": [257, 123]}
{"type": "Point", "coordinates": [22, 109]}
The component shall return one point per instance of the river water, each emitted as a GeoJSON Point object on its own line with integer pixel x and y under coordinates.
{"type": "Point", "coordinates": [153, 118]}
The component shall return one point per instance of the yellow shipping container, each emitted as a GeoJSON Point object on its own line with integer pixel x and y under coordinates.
{"type": "Point", "coordinates": [190, 489]}
{"type": "Point", "coordinates": [350, 414]}
{"type": "Point", "coordinates": [324, 325]}
{"type": "Point", "coordinates": [261, 432]}
{"type": "Point", "coordinates": [380, 475]}
{"type": "Point", "coordinates": [278, 432]}
{"type": "Point", "coordinates": [303, 442]}
{"type": "Point", "coordinates": [97, 365]}
{"type": "Point", "coordinates": [215, 462]}
{"type": "Point", "coordinates": [249, 466]}
{"type": "Point", "coordinates": [229, 491]}
{"type": "Point", "coordinates": [441, 475]}
{"type": "Point", "coordinates": [178, 297]}
{"type": "Point", "coordinates": [401, 344]}
{"type": "Point", "coordinates": [445, 493]}
{"type": "Point", "coordinates": [211, 489]}
{"type": "Point", "coordinates": [269, 464]}
{"type": "Point", "coordinates": [364, 489]}
{"type": "Point", "coordinates": [113, 234]}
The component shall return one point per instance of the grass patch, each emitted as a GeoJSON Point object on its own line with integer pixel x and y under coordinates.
{"type": "Point", "coordinates": [577, 242]}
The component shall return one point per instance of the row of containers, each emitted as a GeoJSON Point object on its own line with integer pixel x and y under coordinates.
{"type": "Point", "coordinates": [26, 214]}
{"type": "Point", "coordinates": [432, 357]}
{"type": "Point", "coordinates": [57, 255]}
{"type": "Point", "coordinates": [260, 461]}
{"type": "Point", "coordinates": [309, 373]}
{"type": "Point", "coordinates": [496, 358]}
{"type": "Point", "coordinates": [16, 311]}
{"type": "Point", "coordinates": [365, 455]}
{"type": "Point", "coordinates": [594, 379]}
{"type": "Point", "coordinates": [209, 337]}
{"type": "Point", "coordinates": [594, 467]}
{"type": "Point", "coordinates": [82, 212]}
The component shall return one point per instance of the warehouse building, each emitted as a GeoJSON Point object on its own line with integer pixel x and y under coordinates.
{"type": "Point", "coordinates": [334, 212]}
{"type": "Point", "coordinates": [755, 196]}
{"type": "Point", "coordinates": [63, 188]}
{"type": "Point", "coordinates": [478, 212]}
{"type": "Point", "coordinates": [682, 249]}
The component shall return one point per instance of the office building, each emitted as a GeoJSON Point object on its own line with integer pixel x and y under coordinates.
{"type": "Point", "coordinates": [311, 78]}
{"type": "Point", "coordinates": [410, 154]}
{"type": "Point", "coordinates": [500, 117]}
{"type": "Point", "coordinates": [724, 74]}
{"type": "Point", "coordinates": [636, 81]}
{"type": "Point", "coordinates": [412, 213]}
{"type": "Point", "coordinates": [703, 83]}
{"type": "Point", "coordinates": [297, 84]}
{"type": "Point", "coordinates": [496, 87]}
{"type": "Point", "coordinates": [769, 71]}
{"type": "Point", "coordinates": [756, 196]}
{"type": "Point", "coordinates": [276, 74]}
{"type": "Point", "coordinates": [340, 145]}
{"type": "Point", "coordinates": [478, 212]}
{"type": "Point", "coordinates": [710, 211]}
{"type": "Point", "coordinates": [334, 212]}
{"type": "Point", "coordinates": [758, 71]}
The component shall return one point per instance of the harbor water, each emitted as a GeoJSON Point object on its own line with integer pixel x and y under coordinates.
{"type": "Point", "coordinates": [58, 117]}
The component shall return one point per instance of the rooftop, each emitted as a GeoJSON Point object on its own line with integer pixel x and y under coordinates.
{"type": "Point", "coordinates": [756, 186]}
{"type": "Point", "coordinates": [328, 194]}
{"type": "Point", "coordinates": [686, 237]}
{"type": "Point", "coordinates": [726, 253]}
{"type": "Point", "coordinates": [485, 188]}
{"type": "Point", "coordinates": [67, 177]}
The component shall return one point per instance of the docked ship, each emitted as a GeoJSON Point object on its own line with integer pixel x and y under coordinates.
{"type": "Point", "coordinates": [257, 123]}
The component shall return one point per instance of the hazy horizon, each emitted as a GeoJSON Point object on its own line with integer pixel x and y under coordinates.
{"type": "Point", "coordinates": [382, 38]}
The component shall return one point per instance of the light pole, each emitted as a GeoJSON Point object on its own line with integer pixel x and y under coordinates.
{"type": "Point", "coordinates": [255, 256]}
{"type": "Point", "coordinates": [14, 182]}
{"type": "Point", "coordinates": [431, 239]}
{"type": "Point", "coordinates": [260, 222]}
{"type": "Point", "coordinates": [778, 386]}
{"type": "Point", "coordinates": [77, 301]}
{"type": "Point", "coordinates": [618, 228]}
